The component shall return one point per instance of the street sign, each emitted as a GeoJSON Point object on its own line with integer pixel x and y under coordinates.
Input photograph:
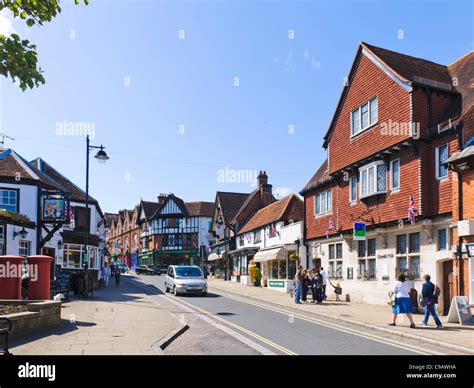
{"type": "Point", "coordinates": [359, 231]}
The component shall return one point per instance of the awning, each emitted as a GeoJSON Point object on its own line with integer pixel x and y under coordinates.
{"type": "Point", "coordinates": [279, 253]}
{"type": "Point", "coordinates": [214, 257]}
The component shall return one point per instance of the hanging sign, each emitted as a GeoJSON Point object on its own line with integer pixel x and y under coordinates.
{"type": "Point", "coordinates": [54, 210]}
{"type": "Point", "coordinates": [359, 231]}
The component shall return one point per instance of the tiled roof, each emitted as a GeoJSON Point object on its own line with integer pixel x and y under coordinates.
{"type": "Point", "coordinates": [277, 211]}
{"type": "Point", "coordinates": [200, 209]}
{"type": "Point", "coordinates": [321, 176]}
{"type": "Point", "coordinates": [149, 208]}
{"type": "Point", "coordinates": [230, 204]}
{"type": "Point", "coordinates": [77, 194]}
{"type": "Point", "coordinates": [409, 67]}
{"type": "Point", "coordinates": [111, 217]}
{"type": "Point", "coordinates": [12, 164]}
{"type": "Point", "coordinates": [463, 71]}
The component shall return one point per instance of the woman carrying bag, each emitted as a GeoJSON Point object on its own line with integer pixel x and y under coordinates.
{"type": "Point", "coordinates": [402, 304]}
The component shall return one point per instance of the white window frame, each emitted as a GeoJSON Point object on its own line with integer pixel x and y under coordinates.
{"type": "Point", "coordinates": [22, 247]}
{"type": "Point", "coordinates": [328, 205]}
{"type": "Point", "coordinates": [369, 123]}
{"type": "Point", "coordinates": [367, 168]}
{"type": "Point", "coordinates": [392, 187]}
{"type": "Point", "coordinates": [352, 193]}
{"type": "Point", "coordinates": [437, 162]}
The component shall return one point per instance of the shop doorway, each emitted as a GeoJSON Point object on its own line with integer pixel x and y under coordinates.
{"type": "Point", "coordinates": [448, 285]}
{"type": "Point", "coordinates": [316, 263]}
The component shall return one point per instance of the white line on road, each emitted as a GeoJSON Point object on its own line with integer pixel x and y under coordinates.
{"type": "Point", "coordinates": [204, 316]}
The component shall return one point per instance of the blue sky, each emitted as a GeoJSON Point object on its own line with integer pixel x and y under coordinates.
{"type": "Point", "coordinates": [172, 113]}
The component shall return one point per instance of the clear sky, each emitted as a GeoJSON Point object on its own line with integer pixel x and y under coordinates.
{"type": "Point", "coordinates": [235, 93]}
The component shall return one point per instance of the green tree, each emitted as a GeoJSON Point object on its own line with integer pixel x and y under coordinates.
{"type": "Point", "coordinates": [18, 57]}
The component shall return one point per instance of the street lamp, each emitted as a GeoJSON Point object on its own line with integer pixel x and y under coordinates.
{"type": "Point", "coordinates": [22, 233]}
{"type": "Point", "coordinates": [102, 157]}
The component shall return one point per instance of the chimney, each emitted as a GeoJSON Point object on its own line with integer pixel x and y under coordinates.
{"type": "Point", "coordinates": [265, 188]}
{"type": "Point", "coordinates": [162, 197]}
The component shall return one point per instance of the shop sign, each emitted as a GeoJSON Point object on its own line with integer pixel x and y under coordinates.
{"type": "Point", "coordinates": [276, 283]}
{"type": "Point", "coordinates": [359, 231]}
{"type": "Point", "coordinates": [386, 256]}
{"type": "Point", "coordinates": [54, 210]}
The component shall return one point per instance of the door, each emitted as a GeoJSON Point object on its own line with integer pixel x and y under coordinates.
{"type": "Point", "coordinates": [448, 285]}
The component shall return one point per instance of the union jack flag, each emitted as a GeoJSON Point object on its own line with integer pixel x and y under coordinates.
{"type": "Point", "coordinates": [331, 226]}
{"type": "Point", "coordinates": [412, 211]}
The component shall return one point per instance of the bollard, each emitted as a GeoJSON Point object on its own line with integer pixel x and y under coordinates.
{"type": "Point", "coordinates": [39, 283]}
{"type": "Point", "coordinates": [10, 277]}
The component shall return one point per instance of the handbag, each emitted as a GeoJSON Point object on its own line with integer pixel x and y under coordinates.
{"type": "Point", "coordinates": [396, 308]}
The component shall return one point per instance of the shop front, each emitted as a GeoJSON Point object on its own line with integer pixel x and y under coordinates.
{"type": "Point", "coordinates": [278, 267]}
{"type": "Point", "coordinates": [216, 266]}
{"type": "Point", "coordinates": [240, 259]}
{"type": "Point", "coordinates": [145, 258]}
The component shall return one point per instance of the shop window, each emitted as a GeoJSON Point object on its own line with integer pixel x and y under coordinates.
{"type": "Point", "coordinates": [366, 263]}
{"type": "Point", "coordinates": [414, 243]}
{"type": "Point", "coordinates": [335, 261]}
{"type": "Point", "coordinates": [408, 259]}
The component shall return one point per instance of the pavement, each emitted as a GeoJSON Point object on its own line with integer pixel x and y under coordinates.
{"type": "Point", "coordinates": [373, 317]}
{"type": "Point", "coordinates": [116, 321]}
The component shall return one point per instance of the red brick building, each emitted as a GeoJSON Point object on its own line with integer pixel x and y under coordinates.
{"type": "Point", "coordinates": [384, 146]}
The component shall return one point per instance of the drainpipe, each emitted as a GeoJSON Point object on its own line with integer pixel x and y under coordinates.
{"type": "Point", "coordinates": [460, 217]}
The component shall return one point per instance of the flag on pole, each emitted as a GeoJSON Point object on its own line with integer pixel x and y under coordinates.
{"type": "Point", "coordinates": [412, 210]}
{"type": "Point", "coordinates": [331, 226]}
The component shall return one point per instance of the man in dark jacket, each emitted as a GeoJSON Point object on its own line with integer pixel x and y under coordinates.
{"type": "Point", "coordinates": [429, 300]}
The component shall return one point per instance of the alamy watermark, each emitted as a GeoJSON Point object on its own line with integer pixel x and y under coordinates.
{"type": "Point", "coordinates": [232, 175]}
{"type": "Point", "coordinates": [75, 128]}
{"type": "Point", "coordinates": [397, 128]}
{"type": "Point", "coordinates": [12, 270]}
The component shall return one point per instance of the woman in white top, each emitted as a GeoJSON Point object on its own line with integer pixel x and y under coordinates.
{"type": "Point", "coordinates": [403, 304]}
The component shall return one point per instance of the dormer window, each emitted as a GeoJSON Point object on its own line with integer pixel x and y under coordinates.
{"type": "Point", "coordinates": [373, 179]}
{"type": "Point", "coordinates": [364, 116]}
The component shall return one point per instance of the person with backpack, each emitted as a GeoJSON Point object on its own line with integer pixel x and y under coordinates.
{"type": "Point", "coordinates": [430, 294]}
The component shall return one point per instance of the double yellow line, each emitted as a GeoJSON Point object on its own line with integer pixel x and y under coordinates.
{"type": "Point", "coordinates": [240, 328]}
{"type": "Point", "coordinates": [227, 323]}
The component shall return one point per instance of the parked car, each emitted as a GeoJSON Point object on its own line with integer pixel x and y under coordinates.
{"type": "Point", "coordinates": [147, 270]}
{"type": "Point", "coordinates": [185, 279]}
{"type": "Point", "coordinates": [123, 267]}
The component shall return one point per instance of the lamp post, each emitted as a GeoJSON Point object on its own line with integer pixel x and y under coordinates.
{"type": "Point", "coordinates": [102, 157]}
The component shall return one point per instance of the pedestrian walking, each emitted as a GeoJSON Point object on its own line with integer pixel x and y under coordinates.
{"type": "Point", "coordinates": [117, 276]}
{"type": "Point", "coordinates": [299, 284]}
{"type": "Point", "coordinates": [305, 286]}
{"type": "Point", "coordinates": [429, 294]}
{"type": "Point", "coordinates": [402, 301]}
{"type": "Point", "coordinates": [325, 277]}
{"type": "Point", "coordinates": [106, 274]}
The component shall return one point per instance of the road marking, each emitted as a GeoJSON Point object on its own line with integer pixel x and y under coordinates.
{"type": "Point", "coordinates": [394, 343]}
{"type": "Point", "coordinates": [204, 315]}
{"type": "Point", "coordinates": [354, 332]}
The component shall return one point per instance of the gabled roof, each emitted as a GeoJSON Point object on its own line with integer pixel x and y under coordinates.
{"type": "Point", "coordinates": [407, 70]}
{"type": "Point", "coordinates": [77, 194]}
{"type": "Point", "coordinates": [462, 71]}
{"type": "Point", "coordinates": [319, 178]}
{"type": "Point", "coordinates": [276, 211]}
{"type": "Point", "coordinates": [200, 209]}
{"type": "Point", "coordinates": [149, 208]}
{"type": "Point", "coordinates": [110, 218]}
{"type": "Point", "coordinates": [230, 203]}
{"type": "Point", "coordinates": [12, 164]}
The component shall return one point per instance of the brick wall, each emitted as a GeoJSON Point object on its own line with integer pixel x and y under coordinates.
{"type": "Point", "coordinates": [393, 104]}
